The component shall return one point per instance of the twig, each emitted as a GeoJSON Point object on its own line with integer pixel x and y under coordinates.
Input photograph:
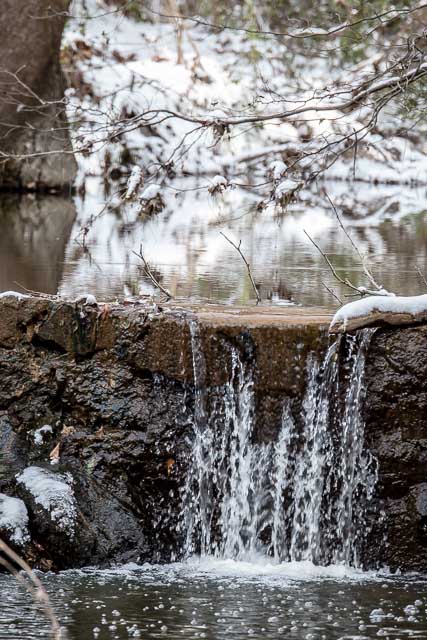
{"type": "Point", "coordinates": [248, 266]}
{"type": "Point", "coordinates": [36, 588]}
{"type": "Point", "coordinates": [330, 265]}
{"type": "Point", "coordinates": [151, 275]}
{"type": "Point", "coordinates": [355, 247]}
{"type": "Point", "coordinates": [331, 291]}
{"type": "Point", "coordinates": [37, 294]}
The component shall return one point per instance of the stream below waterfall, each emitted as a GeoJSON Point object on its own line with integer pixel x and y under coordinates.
{"type": "Point", "coordinates": [220, 600]}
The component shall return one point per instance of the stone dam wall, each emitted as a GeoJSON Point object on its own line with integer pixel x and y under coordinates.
{"type": "Point", "coordinates": [96, 422]}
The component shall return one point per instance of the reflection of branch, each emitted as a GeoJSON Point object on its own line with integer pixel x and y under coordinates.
{"type": "Point", "coordinates": [360, 290]}
{"type": "Point", "coordinates": [150, 274]}
{"type": "Point", "coordinates": [35, 587]}
{"type": "Point", "coordinates": [363, 259]}
{"type": "Point", "coordinates": [248, 266]}
{"type": "Point", "coordinates": [418, 270]}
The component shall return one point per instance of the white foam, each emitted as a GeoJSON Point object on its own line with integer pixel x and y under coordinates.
{"type": "Point", "coordinates": [254, 569]}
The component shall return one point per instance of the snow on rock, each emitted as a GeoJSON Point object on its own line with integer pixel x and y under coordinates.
{"type": "Point", "coordinates": [40, 433]}
{"type": "Point", "coordinates": [374, 309]}
{"type": "Point", "coordinates": [86, 298]}
{"type": "Point", "coordinates": [54, 493]}
{"type": "Point", "coordinates": [14, 519]}
{"type": "Point", "coordinates": [14, 294]}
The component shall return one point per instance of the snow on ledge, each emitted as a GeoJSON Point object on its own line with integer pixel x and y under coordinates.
{"type": "Point", "coordinates": [373, 309]}
{"type": "Point", "coordinates": [53, 492]}
{"type": "Point", "coordinates": [13, 294]}
{"type": "Point", "coordinates": [14, 519]}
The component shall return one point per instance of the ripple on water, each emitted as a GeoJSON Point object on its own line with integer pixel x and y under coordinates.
{"type": "Point", "coordinates": [222, 599]}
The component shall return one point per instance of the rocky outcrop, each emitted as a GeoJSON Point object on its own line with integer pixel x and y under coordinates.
{"type": "Point", "coordinates": [396, 431]}
{"type": "Point", "coordinates": [101, 398]}
{"type": "Point", "coordinates": [35, 146]}
{"type": "Point", "coordinates": [115, 385]}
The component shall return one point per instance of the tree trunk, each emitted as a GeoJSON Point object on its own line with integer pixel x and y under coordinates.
{"type": "Point", "coordinates": [33, 123]}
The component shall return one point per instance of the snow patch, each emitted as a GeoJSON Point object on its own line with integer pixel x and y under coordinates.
{"type": "Point", "coordinates": [151, 191]}
{"type": "Point", "coordinates": [14, 519]}
{"type": "Point", "coordinates": [53, 492]}
{"type": "Point", "coordinates": [86, 298]}
{"type": "Point", "coordinates": [277, 169]}
{"type": "Point", "coordinates": [14, 294]}
{"type": "Point", "coordinates": [135, 180]}
{"type": "Point", "coordinates": [411, 305]}
{"type": "Point", "coordinates": [39, 434]}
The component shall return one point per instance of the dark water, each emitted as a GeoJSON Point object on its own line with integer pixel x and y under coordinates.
{"type": "Point", "coordinates": [222, 600]}
{"type": "Point", "coordinates": [41, 245]}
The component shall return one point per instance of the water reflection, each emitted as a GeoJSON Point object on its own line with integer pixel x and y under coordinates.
{"type": "Point", "coordinates": [42, 249]}
{"type": "Point", "coordinates": [33, 235]}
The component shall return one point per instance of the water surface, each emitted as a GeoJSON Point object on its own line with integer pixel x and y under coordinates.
{"type": "Point", "coordinates": [42, 248]}
{"type": "Point", "coordinates": [222, 599]}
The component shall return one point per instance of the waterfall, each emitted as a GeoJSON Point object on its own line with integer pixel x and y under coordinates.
{"type": "Point", "coordinates": [305, 496]}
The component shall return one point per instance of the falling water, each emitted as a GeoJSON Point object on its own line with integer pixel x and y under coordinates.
{"type": "Point", "coordinates": [303, 497]}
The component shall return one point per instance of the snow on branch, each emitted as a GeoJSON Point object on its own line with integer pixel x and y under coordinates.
{"type": "Point", "coordinates": [378, 310]}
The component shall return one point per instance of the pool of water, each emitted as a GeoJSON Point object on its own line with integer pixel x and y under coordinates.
{"type": "Point", "coordinates": [222, 599]}
{"type": "Point", "coordinates": [42, 248]}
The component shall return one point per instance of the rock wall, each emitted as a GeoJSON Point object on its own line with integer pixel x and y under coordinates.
{"type": "Point", "coordinates": [100, 399]}
{"type": "Point", "coordinates": [396, 431]}
{"type": "Point", "coordinates": [107, 393]}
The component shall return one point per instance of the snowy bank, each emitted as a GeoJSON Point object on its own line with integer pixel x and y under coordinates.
{"type": "Point", "coordinates": [373, 310]}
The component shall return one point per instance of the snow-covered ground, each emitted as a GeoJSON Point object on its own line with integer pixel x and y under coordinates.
{"type": "Point", "coordinates": [126, 68]}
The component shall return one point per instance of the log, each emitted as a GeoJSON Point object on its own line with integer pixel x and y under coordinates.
{"type": "Point", "coordinates": [375, 311]}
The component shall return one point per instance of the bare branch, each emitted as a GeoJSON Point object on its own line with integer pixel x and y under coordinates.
{"type": "Point", "coordinates": [331, 291]}
{"type": "Point", "coordinates": [363, 258]}
{"type": "Point", "coordinates": [151, 275]}
{"type": "Point", "coordinates": [35, 587]}
{"type": "Point", "coordinates": [248, 267]}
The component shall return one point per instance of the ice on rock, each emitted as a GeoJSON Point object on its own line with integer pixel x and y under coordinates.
{"type": "Point", "coordinates": [53, 492]}
{"type": "Point", "coordinates": [14, 519]}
